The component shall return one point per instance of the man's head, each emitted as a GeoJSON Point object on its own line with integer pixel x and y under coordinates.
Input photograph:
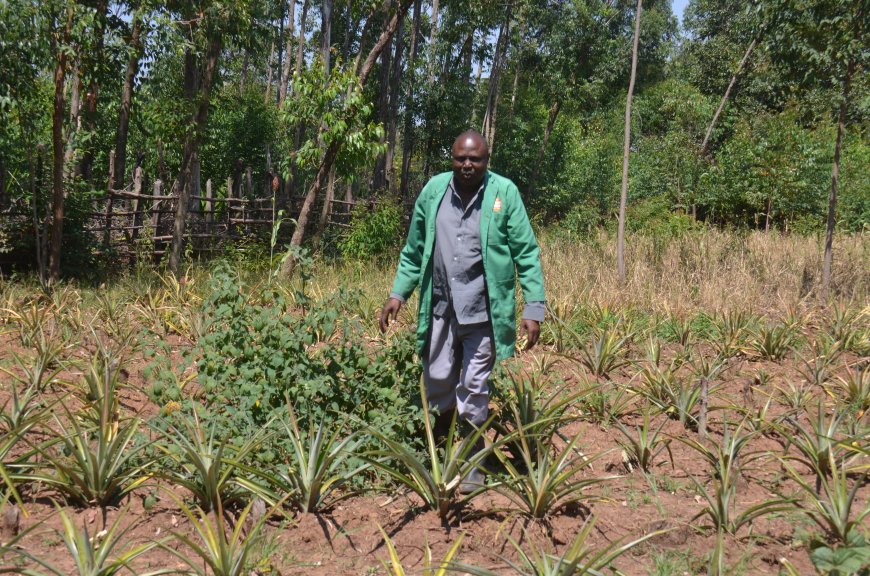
{"type": "Point", "coordinates": [470, 159]}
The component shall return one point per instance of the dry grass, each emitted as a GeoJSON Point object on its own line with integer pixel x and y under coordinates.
{"type": "Point", "coordinates": [711, 271]}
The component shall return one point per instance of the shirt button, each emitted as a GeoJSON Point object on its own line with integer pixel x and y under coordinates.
{"type": "Point", "coordinates": [455, 259]}
{"type": "Point", "coordinates": [459, 238]}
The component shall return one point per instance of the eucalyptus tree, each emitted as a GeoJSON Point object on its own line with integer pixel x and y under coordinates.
{"type": "Point", "coordinates": [623, 196]}
{"type": "Point", "coordinates": [826, 40]}
{"type": "Point", "coordinates": [208, 27]}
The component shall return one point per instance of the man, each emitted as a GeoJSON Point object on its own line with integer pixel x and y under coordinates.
{"type": "Point", "coordinates": [469, 239]}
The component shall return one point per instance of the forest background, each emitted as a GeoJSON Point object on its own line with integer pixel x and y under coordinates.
{"type": "Point", "coordinates": [361, 100]}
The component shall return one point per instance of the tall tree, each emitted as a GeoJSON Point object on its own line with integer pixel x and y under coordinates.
{"type": "Point", "coordinates": [61, 47]}
{"type": "Point", "coordinates": [134, 46]}
{"type": "Point", "coordinates": [332, 150]}
{"type": "Point", "coordinates": [408, 130]}
{"type": "Point", "coordinates": [490, 113]}
{"type": "Point", "coordinates": [623, 195]}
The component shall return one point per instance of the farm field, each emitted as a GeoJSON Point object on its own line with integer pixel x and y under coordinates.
{"type": "Point", "coordinates": [710, 407]}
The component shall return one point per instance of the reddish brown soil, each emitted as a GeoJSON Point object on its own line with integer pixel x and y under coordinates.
{"type": "Point", "coordinates": [347, 540]}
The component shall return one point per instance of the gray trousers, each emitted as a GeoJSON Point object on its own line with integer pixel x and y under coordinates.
{"type": "Point", "coordinates": [456, 369]}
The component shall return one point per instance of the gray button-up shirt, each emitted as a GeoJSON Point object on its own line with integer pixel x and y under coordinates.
{"type": "Point", "coordinates": [458, 278]}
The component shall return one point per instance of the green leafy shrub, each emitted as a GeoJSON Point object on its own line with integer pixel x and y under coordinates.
{"type": "Point", "coordinates": [373, 232]}
{"type": "Point", "coordinates": [256, 351]}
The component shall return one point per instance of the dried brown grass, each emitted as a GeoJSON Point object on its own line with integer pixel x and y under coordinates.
{"type": "Point", "coordinates": [711, 271]}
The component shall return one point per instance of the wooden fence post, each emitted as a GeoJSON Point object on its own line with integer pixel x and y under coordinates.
{"type": "Point", "coordinates": [209, 206]}
{"type": "Point", "coordinates": [195, 186]}
{"type": "Point", "coordinates": [107, 232]}
{"type": "Point", "coordinates": [155, 205]}
{"type": "Point", "coordinates": [137, 202]}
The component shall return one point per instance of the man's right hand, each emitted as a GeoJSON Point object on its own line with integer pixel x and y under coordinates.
{"type": "Point", "coordinates": [390, 309]}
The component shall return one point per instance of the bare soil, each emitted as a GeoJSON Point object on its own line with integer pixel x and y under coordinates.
{"type": "Point", "coordinates": [347, 540]}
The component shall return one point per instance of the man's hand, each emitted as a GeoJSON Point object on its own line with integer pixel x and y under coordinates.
{"type": "Point", "coordinates": [390, 309]}
{"type": "Point", "coordinates": [531, 329]}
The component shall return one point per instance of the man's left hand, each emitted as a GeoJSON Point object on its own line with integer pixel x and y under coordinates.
{"type": "Point", "coordinates": [531, 329]}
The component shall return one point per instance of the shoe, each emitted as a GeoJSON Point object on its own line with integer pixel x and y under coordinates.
{"type": "Point", "coordinates": [473, 481]}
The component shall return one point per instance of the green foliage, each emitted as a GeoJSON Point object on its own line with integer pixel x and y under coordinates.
{"type": "Point", "coordinates": [256, 350]}
{"type": "Point", "coordinates": [373, 233]}
{"type": "Point", "coordinates": [337, 105]}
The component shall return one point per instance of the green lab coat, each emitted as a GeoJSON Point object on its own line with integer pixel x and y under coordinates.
{"type": "Point", "coordinates": [509, 251]}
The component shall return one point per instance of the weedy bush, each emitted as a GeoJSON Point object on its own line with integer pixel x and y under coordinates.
{"type": "Point", "coordinates": [256, 350]}
{"type": "Point", "coordinates": [374, 233]}
{"type": "Point", "coordinates": [679, 329]}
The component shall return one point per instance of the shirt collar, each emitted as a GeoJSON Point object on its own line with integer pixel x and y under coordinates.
{"type": "Point", "coordinates": [452, 189]}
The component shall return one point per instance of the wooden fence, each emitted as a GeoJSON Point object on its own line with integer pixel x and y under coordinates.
{"type": "Point", "coordinates": [132, 221]}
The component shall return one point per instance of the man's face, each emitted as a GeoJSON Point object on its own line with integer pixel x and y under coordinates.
{"type": "Point", "coordinates": [470, 158]}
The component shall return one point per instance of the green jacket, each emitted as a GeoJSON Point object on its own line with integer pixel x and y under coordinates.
{"type": "Point", "coordinates": [509, 250]}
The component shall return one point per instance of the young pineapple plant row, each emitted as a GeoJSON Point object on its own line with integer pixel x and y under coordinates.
{"type": "Point", "coordinates": [67, 433]}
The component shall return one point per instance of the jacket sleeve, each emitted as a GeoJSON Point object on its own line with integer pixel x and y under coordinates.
{"type": "Point", "coordinates": [411, 257]}
{"type": "Point", "coordinates": [524, 249]}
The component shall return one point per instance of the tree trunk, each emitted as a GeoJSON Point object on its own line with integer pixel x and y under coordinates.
{"type": "Point", "coordinates": [395, 89]}
{"type": "Point", "coordinates": [326, 33]}
{"type": "Point", "coordinates": [835, 179]}
{"type": "Point", "coordinates": [327, 206]}
{"type": "Point", "coordinates": [300, 47]}
{"type": "Point", "coordinates": [191, 146]}
{"type": "Point", "coordinates": [626, 143]}
{"type": "Point", "coordinates": [379, 174]}
{"type": "Point", "coordinates": [333, 148]}
{"type": "Point", "coordinates": [90, 113]}
{"type": "Point", "coordinates": [408, 130]}
{"type": "Point", "coordinates": [297, 137]}
{"type": "Point", "coordinates": [75, 122]}
{"type": "Point", "coordinates": [127, 101]}
{"type": "Point", "coordinates": [57, 145]}
{"type": "Point", "coordinates": [291, 32]}
{"type": "Point", "coordinates": [269, 67]}
{"type": "Point", "coordinates": [488, 128]}
{"type": "Point", "coordinates": [433, 38]}
{"type": "Point", "coordinates": [551, 123]}
{"type": "Point", "coordinates": [706, 143]}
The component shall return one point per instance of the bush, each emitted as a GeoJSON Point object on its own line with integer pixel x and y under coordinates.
{"type": "Point", "coordinates": [256, 352]}
{"type": "Point", "coordinates": [374, 232]}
